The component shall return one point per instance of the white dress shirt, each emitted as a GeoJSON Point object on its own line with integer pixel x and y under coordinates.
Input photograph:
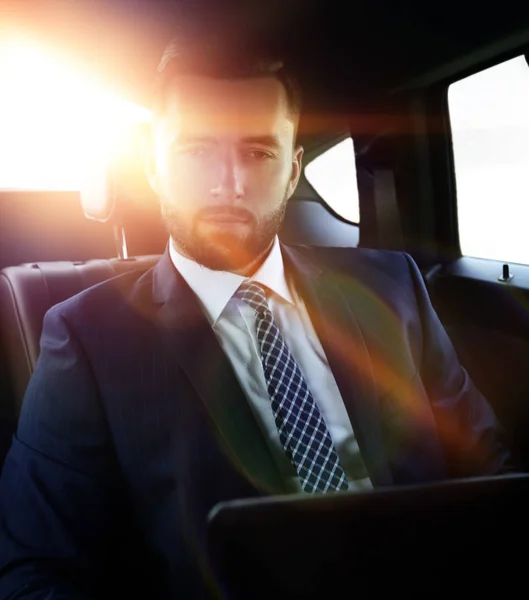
{"type": "Point", "coordinates": [234, 324]}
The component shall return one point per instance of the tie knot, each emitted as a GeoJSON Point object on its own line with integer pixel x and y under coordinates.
{"type": "Point", "coordinates": [254, 295]}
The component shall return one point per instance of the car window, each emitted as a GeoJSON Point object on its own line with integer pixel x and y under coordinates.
{"type": "Point", "coordinates": [489, 116]}
{"type": "Point", "coordinates": [333, 175]}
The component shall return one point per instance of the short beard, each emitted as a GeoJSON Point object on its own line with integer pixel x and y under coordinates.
{"type": "Point", "coordinates": [223, 251]}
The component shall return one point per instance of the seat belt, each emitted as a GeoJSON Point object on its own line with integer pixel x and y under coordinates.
{"type": "Point", "coordinates": [380, 225]}
{"type": "Point", "coordinates": [388, 220]}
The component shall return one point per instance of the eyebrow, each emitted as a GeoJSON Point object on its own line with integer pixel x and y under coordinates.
{"type": "Point", "coordinates": [193, 140]}
{"type": "Point", "coordinates": [272, 141]}
{"type": "Point", "coordinates": [265, 140]}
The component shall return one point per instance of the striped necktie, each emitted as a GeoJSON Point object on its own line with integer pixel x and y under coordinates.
{"type": "Point", "coordinates": [302, 430]}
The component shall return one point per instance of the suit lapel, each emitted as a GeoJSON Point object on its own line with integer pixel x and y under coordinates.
{"type": "Point", "coordinates": [190, 338]}
{"type": "Point", "coordinates": [332, 314]}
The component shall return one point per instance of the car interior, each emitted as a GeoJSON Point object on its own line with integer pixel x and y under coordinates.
{"type": "Point", "coordinates": [413, 142]}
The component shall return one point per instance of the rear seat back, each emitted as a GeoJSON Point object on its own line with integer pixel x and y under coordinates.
{"type": "Point", "coordinates": [49, 226]}
{"type": "Point", "coordinates": [27, 292]}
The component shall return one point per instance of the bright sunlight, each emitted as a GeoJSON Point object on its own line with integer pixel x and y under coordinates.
{"type": "Point", "coordinates": [57, 128]}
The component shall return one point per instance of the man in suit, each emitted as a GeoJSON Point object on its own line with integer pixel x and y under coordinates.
{"type": "Point", "coordinates": [236, 367]}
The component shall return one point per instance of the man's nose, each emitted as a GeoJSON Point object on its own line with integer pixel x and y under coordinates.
{"type": "Point", "coordinates": [229, 180]}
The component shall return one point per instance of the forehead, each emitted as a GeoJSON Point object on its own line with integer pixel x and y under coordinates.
{"type": "Point", "coordinates": [206, 106]}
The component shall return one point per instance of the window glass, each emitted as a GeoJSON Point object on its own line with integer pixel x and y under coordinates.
{"type": "Point", "coordinates": [489, 114]}
{"type": "Point", "coordinates": [333, 175]}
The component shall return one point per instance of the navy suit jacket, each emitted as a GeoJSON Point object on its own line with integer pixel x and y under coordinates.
{"type": "Point", "coordinates": [134, 426]}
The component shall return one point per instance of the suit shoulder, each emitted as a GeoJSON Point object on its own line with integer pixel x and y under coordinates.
{"type": "Point", "coordinates": [359, 260]}
{"type": "Point", "coordinates": [107, 298]}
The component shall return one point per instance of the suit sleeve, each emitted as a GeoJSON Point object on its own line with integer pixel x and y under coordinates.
{"type": "Point", "coordinates": [58, 483]}
{"type": "Point", "coordinates": [472, 438]}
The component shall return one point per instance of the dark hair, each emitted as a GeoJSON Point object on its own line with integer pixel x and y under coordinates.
{"type": "Point", "coordinates": [210, 58]}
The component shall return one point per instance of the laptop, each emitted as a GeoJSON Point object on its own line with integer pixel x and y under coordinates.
{"type": "Point", "coordinates": [439, 540]}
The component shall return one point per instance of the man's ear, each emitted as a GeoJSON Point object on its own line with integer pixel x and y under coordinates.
{"type": "Point", "coordinates": [296, 170]}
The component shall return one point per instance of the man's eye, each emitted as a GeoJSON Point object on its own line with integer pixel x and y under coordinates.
{"type": "Point", "coordinates": [259, 154]}
{"type": "Point", "coordinates": [196, 151]}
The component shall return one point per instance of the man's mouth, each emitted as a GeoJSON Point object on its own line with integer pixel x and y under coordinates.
{"type": "Point", "coordinates": [227, 216]}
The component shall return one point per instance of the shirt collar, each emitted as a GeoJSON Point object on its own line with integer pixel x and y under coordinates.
{"type": "Point", "coordinates": [214, 289]}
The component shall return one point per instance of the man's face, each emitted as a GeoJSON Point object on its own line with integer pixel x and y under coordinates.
{"type": "Point", "coordinates": [224, 167]}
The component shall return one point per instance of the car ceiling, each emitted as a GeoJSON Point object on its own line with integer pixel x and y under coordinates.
{"type": "Point", "coordinates": [340, 49]}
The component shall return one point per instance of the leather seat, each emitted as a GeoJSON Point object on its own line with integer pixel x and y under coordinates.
{"type": "Point", "coordinates": [26, 293]}
{"type": "Point", "coordinates": [48, 226]}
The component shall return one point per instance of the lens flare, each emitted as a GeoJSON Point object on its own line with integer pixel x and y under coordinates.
{"type": "Point", "coordinates": [58, 128]}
